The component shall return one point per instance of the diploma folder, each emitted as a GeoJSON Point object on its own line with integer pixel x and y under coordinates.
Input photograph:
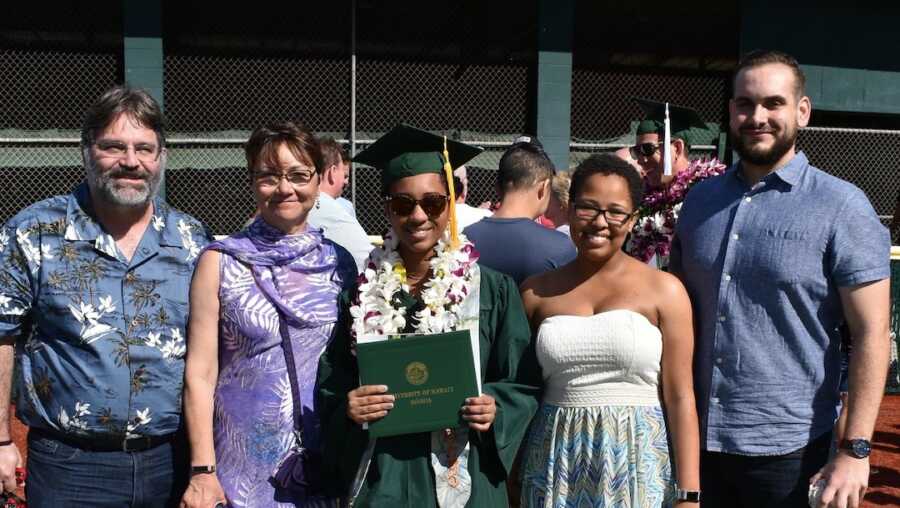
{"type": "Point", "coordinates": [430, 377]}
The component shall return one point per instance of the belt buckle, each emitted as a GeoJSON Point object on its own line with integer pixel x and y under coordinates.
{"type": "Point", "coordinates": [137, 444]}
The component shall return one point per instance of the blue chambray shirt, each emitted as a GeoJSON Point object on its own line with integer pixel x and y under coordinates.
{"type": "Point", "coordinates": [101, 339]}
{"type": "Point", "coordinates": [763, 266]}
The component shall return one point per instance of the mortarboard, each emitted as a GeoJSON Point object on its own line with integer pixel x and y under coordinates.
{"type": "Point", "coordinates": [408, 151]}
{"type": "Point", "coordinates": [668, 120]}
{"type": "Point", "coordinates": [682, 119]}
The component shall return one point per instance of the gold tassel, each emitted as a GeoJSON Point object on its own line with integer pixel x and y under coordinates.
{"type": "Point", "coordinates": [448, 171]}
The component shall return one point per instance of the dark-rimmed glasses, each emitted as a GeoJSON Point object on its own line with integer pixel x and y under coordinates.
{"type": "Point", "coordinates": [589, 213]}
{"type": "Point", "coordinates": [295, 178]}
{"type": "Point", "coordinates": [433, 204]}
{"type": "Point", "coordinates": [643, 150]}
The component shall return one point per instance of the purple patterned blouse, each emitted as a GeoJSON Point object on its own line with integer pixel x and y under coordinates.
{"type": "Point", "coordinates": [302, 275]}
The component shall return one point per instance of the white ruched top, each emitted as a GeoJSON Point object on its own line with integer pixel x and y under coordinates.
{"type": "Point", "coordinates": [610, 358]}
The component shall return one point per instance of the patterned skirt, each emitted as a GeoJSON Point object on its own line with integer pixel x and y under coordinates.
{"type": "Point", "coordinates": [605, 456]}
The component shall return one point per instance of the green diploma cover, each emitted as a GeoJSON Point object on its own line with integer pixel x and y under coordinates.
{"type": "Point", "coordinates": [430, 377]}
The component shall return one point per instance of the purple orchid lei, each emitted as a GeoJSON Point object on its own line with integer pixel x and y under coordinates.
{"type": "Point", "coordinates": [658, 213]}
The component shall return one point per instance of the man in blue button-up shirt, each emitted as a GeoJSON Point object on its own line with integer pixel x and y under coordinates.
{"type": "Point", "coordinates": [94, 296]}
{"type": "Point", "coordinates": [776, 254]}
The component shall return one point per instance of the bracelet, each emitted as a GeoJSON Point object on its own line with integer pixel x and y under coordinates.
{"type": "Point", "coordinates": [206, 469]}
{"type": "Point", "coordinates": [6, 443]}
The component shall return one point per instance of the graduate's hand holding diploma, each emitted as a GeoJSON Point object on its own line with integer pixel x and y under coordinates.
{"type": "Point", "coordinates": [369, 403]}
{"type": "Point", "coordinates": [480, 412]}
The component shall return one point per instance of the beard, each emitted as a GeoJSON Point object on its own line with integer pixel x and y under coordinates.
{"type": "Point", "coordinates": [760, 156]}
{"type": "Point", "coordinates": [107, 188]}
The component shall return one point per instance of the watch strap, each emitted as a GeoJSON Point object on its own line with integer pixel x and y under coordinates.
{"type": "Point", "coordinates": [204, 469]}
{"type": "Point", "coordinates": [689, 496]}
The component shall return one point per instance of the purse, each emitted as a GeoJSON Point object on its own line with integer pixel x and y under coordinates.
{"type": "Point", "coordinates": [300, 472]}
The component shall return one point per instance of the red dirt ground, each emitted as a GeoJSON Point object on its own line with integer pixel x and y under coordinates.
{"type": "Point", "coordinates": [884, 483]}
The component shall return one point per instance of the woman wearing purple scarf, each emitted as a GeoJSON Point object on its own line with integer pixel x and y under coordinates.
{"type": "Point", "coordinates": [263, 304]}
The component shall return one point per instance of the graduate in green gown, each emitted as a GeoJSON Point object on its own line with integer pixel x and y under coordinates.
{"type": "Point", "coordinates": [425, 279]}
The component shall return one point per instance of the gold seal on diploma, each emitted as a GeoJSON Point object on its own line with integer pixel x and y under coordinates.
{"type": "Point", "coordinates": [416, 373]}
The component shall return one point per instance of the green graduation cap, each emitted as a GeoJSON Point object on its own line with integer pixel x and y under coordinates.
{"type": "Point", "coordinates": [681, 119]}
{"type": "Point", "coordinates": [408, 151]}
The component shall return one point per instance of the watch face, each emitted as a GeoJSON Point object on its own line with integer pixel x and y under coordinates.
{"type": "Point", "coordinates": [861, 448]}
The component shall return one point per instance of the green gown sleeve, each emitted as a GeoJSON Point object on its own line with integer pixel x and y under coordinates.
{"type": "Point", "coordinates": [512, 374]}
{"type": "Point", "coordinates": [343, 440]}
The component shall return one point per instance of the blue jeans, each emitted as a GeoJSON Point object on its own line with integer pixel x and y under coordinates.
{"type": "Point", "coordinates": [60, 475]}
{"type": "Point", "coordinates": [781, 481]}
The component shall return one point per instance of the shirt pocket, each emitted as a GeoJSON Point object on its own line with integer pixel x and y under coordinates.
{"type": "Point", "coordinates": [781, 255]}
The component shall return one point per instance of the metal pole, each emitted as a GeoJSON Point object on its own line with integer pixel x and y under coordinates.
{"type": "Point", "coordinates": [353, 100]}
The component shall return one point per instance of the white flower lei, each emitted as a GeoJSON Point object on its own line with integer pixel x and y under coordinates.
{"type": "Point", "coordinates": [376, 310]}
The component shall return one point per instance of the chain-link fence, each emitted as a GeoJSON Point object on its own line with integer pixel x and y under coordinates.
{"type": "Point", "coordinates": [605, 114]}
{"type": "Point", "coordinates": [603, 105]}
{"type": "Point", "coordinates": [459, 73]}
{"type": "Point", "coordinates": [870, 159]}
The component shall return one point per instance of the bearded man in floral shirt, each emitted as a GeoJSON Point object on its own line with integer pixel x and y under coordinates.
{"type": "Point", "coordinates": [652, 235]}
{"type": "Point", "coordinates": [94, 299]}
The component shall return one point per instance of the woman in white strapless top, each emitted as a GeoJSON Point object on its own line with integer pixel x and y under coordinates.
{"type": "Point", "coordinates": [614, 339]}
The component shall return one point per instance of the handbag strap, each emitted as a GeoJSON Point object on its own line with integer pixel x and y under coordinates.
{"type": "Point", "coordinates": [292, 371]}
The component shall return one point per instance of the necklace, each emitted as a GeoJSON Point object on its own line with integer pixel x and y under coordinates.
{"type": "Point", "coordinates": [377, 310]}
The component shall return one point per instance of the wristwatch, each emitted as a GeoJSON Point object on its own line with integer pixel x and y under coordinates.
{"type": "Point", "coordinates": [689, 496]}
{"type": "Point", "coordinates": [205, 469]}
{"type": "Point", "coordinates": [858, 448]}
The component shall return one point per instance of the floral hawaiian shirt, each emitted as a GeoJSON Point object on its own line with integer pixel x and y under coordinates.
{"type": "Point", "coordinates": [101, 339]}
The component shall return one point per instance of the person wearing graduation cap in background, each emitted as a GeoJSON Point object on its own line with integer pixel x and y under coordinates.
{"type": "Point", "coordinates": [662, 150]}
{"type": "Point", "coordinates": [424, 259]}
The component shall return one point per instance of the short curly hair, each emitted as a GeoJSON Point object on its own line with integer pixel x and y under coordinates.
{"type": "Point", "coordinates": [607, 164]}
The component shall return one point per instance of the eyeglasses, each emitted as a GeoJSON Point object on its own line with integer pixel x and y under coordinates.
{"type": "Point", "coordinates": [589, 213]}
{"type": "Point", "coordinates": [296, 178]}
{"type": "Point", "coordinates": [433, 204]}
{"type": "Point", "coordinates": [144, 152]}
{"type": "Point", "coordinates": [643, 150]}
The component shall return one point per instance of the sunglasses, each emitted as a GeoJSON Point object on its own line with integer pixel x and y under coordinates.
{"type": "Point", "coordinates": [433, 204]}
{"type": "Point", "coordinates": [643, 150]}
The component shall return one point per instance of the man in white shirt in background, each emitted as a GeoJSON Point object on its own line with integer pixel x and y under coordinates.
{"type": "Point", "coordinates": [344, 171]}
{"type": "Point", "coordinates": [339, 224]}
{"type": "Point", "coordinates": [465, 214]}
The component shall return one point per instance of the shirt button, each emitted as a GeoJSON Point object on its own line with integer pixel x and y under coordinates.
{"type": "Point", "coordinates": [719, 360]}
{"type": "Point", "coordinates": [735, 236]}
{"type": "Point", "coordinates": [727, 276]}
{"type": "Point", "coordinates": [748, 199]}
{"type": "Point", "coordinates": [721, 318]}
